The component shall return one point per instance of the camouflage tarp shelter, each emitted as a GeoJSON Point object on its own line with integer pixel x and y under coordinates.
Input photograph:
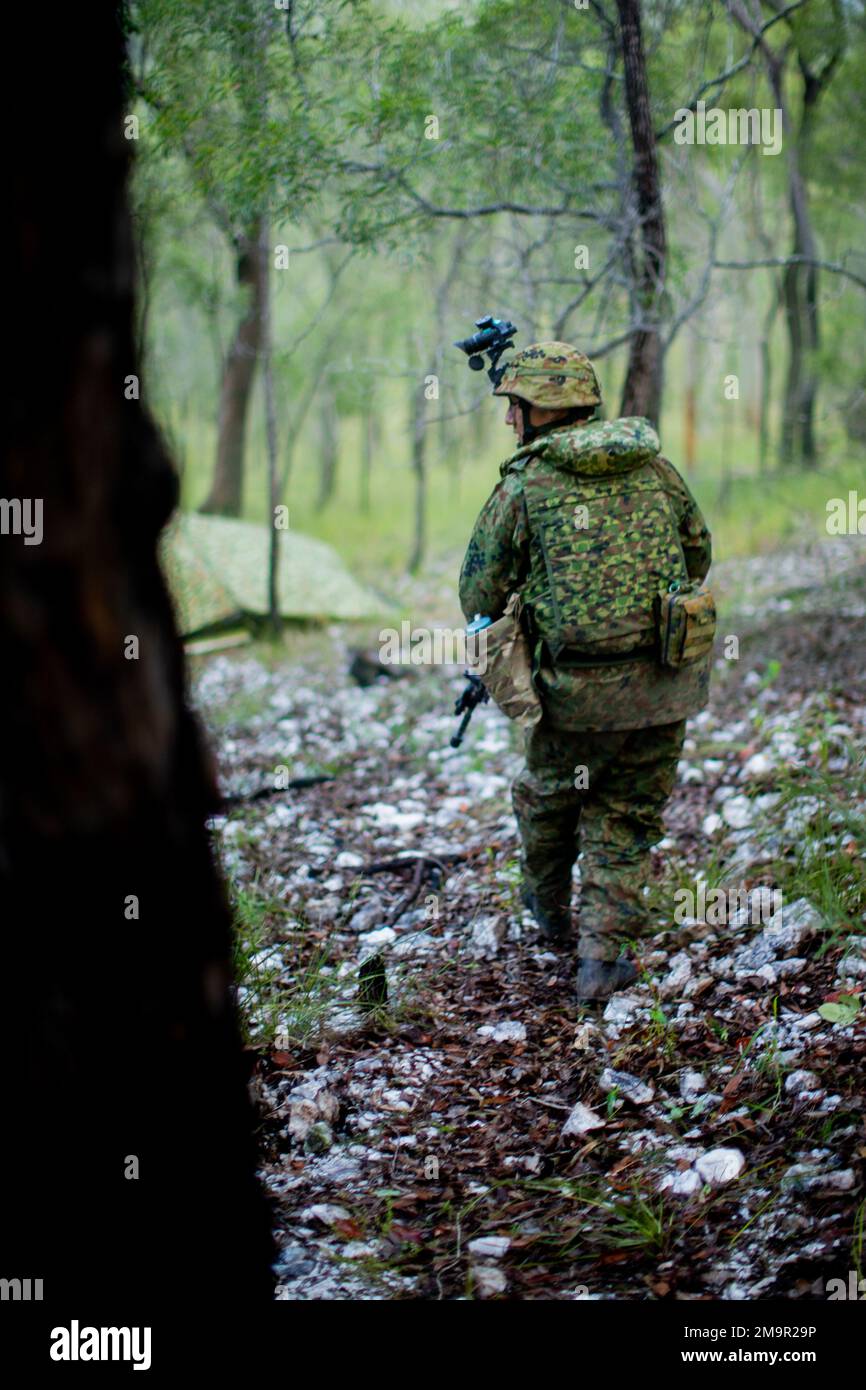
{"type": "Point", "coordinates": [217, 568]}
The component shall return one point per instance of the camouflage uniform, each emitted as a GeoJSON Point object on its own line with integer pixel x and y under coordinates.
{"type": "Point", "coordinates": [589, 591]}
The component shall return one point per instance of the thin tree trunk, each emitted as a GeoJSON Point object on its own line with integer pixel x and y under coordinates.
{"type": "Point", "coordinates": [270, 431]}
{"type": "Point", "coordinates": [328, 448]}
{"type": "Point", "coordinates": [226, 492]}
{"type": "Point", "coordinates": [799, 282]}
{"type": "Point", "coordinates": [128, 1160]}
{"type": "Point", "coordinates": [303, 404]}
{"type": "Point", "coordinates": [643, 380]}
{"type": "Point", "coordinates": [800, 290]}
{"type": "Point", "coordinates": [418, 436]}
{"type": "Point", "coordinates": [766, 387]}
{"type": "Point", "coordinates": [690, 411]}
{"type": "Point", "coordinates": [370, 428]}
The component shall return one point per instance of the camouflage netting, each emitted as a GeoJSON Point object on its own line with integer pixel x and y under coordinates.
{"type": "Point", "coordinates": [218, 571]}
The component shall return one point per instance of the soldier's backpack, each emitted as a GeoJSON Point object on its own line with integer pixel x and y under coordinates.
{"type": "Point", "coordinates": [613, 584]}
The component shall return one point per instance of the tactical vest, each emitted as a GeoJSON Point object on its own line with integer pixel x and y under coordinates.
{"type": "Point", "coordinates": [602, 548]}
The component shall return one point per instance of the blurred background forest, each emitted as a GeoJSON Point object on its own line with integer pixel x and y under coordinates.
{"type": "Point", "coordinates": [328, 194]}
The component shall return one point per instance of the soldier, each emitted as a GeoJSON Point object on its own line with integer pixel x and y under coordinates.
{"type": "Point", "coordinates": [588, 524]}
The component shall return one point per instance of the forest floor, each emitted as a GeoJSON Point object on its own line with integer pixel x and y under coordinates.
{"type": "Point", "coordinates": [479, 1135]}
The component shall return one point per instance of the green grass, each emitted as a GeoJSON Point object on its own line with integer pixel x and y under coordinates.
{"type": "Point", "coordinates": [296, 1003]}
{"type": "Point", "coordinates": [832, 879]}
{"type": "Point", "coordinates": [627, 1221]}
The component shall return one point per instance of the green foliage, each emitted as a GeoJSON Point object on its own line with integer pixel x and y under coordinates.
{"type": "Point", "coordinates": [321, 114]}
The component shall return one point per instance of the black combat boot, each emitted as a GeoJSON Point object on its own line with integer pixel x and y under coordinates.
{"type": "Point", "coordinates": [599, 979]}
{"type": "Point", "coordinates": [554, 922]}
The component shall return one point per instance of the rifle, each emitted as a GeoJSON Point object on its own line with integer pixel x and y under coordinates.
{"type": "Point", "coordinates": [474, 694]}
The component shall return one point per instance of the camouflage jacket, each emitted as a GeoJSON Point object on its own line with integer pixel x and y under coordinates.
{"type": "Point", "coordinates": [611, 475]}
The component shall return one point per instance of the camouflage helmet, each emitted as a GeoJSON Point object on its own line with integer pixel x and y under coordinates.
{"type": "Point", "coordinates": [553, 375]}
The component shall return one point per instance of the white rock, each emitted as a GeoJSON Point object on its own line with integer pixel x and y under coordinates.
{"type": "Point", "coordinates": [799, 921]}
{"type": "Point", "coordinates": [813, 1020]}
{"type": "Point", "coordinates": [690, 776]}
{"type": "Point", "coordinates": [828, 1103]}
{"type": "Point", "coordinates": [503, 1032]}
{"type": "Point", "coordinates": [806, 1177]}
{"type": "Point", "coordinates": [758, 765]}
{"type": "Point", "coordinates": [622, 1009]}
{"type": "Point", "coordinates": [388, 817]}
{"type": "Point", "coordinates": [802, 1081]}
{"type": "Point", "coordinates": [792, 966]}
{"type": "Point", "coordinates": [692, 1084]}
{"type": "Point", "coordinates": [489, 1247]}
{"type": "Point", "coordinates": [307, 1104]}
{"type": "Point", "coordinates": [711, 823]}
{"type": "Point", "coordinates": [720, 1166]}
{"type": "Point", "coordinates": [417, 943]}
{"type": "Point", "coordinates": [684, 1184]}
{"type": "Point", "coordinates": [348, 859]}
{"type": "Point", "coordinates": [486, 937]}
{"type": "Point", "coordinates": [326, 1212]}
{"type": "Point", "coordinates": [635, 1090]}
{"type": "Point", "coordinates": [581, 1121]}
{"type": "Point", "coordinates": [737, 812]}
{"type": "Point", "coordinates": [337, 1167]}
{"type": "Point", "coordinates": [373, 940]}
{"type": "Point", "coordinates": [488, 1280]}
{"type": "Point", "coordinates": [367, 918]}
{"type": "Point", "coordinates": [678, 976]}
{"type": "Point", "coordinates": [800, 816]}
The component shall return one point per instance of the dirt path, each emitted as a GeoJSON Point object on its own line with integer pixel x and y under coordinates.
{"type": "Point", "coordinates": [704, 1135]}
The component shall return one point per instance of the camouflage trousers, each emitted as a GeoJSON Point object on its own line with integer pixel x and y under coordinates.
{"type": "Point", "coordinates": [599, 795]}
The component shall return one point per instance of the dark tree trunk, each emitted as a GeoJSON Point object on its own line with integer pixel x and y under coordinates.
{"type": "Point", "coordinates": [120, 1036]}
{"type": "Point", "coordinates": [226, 493]}
{"type": "Point", "coordinates": [643, 381]}
{"type": "Point", "coordinates": [800, 298]}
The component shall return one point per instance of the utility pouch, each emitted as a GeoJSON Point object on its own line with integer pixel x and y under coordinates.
{"type": "Point", "coordinates": [685, 624]}
{"type": "Point", "coordinates": [504, 662]}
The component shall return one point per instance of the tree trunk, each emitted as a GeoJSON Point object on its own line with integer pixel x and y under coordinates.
{"type": "Point", "coordinates": [690, 411]}
{"type": "Point", "coordinates": [370, 428]}
{"type": "Point", "coordinates": [799, 282]}
{"type": "Point", "coordinates": [418, 436]}
{"type": "Point", "coordinates": [328, 448]}
{"type": "Point", "coordinates": [270, 430]}
{"type": "Point", "coordinates": [643, 380]}
{"type": "Point", "coordinates": [121, 1045]}
{"type": "Point", "coordinates": [226, 493]}
{"type": "Point", "coordinates": [766, 387]}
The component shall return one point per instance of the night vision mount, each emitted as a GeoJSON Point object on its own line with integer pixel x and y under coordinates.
{"type": "Point", "coordinates": [494, 336]}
